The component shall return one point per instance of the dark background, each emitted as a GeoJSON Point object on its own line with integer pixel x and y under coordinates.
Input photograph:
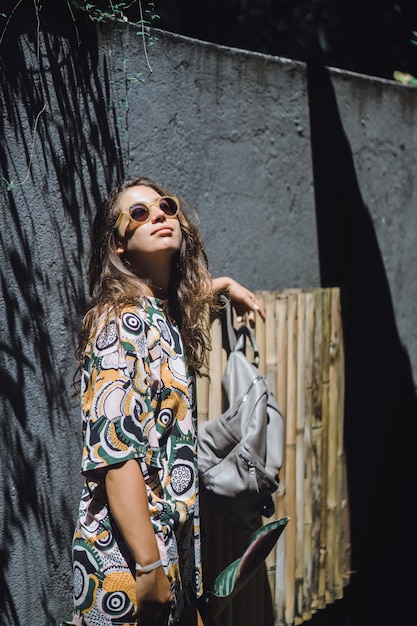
{"type": "Point", "coordinates": [366, 36]}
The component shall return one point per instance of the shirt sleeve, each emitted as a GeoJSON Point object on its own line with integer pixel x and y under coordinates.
{"type": "Point", "coordinates": [119, 393]}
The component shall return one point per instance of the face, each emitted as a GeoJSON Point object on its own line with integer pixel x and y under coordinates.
{"type": "Point", "coordinates": [154, 241]}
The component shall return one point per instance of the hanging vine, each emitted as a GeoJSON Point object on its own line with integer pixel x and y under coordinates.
{"type": "Point", "coordinates": [133, 11]}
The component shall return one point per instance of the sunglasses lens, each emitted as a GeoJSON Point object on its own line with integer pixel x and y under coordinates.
{"type": "Point", "coordinates": [139, 212]}
{"type": "Point", "coordinates": [168, 206]}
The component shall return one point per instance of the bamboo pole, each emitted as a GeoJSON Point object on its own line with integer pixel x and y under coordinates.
{"type": "Point", "coordinates": [344, 547]}
{"type": "Point", "coordinates": [265, 338]}
{"type": "Point", "coordinates": [336, 385]}
{"type": "Point", "coordinates": [215, 371]}
{"type": "Point", "coordinates": [300, 460]}
{"type": "Point", "coordinates": [261, 329]}
{"type": "Point", "coordinates": [203, 398]}
{"type": "Point", "coordinates": [317, 442]}
{"type": "Point", "coordinates": [271, 377]}
{"type": "Point", "coordinates": [332, 458]}
{"type": "Point", "coordinates": [345, 538]}
{"type": "Point", "coordinates": [308, 487]}
{"type": "Point", "coordinates": [345, 544]}
{"type": "Point", "coordinates": [290, 535]}
{"type": "Point", "coordinates": [321, 600]}
{"type": "Point", "coordinates": [202, 390]}
{"type": "Point", "coordinates": [336, 393]}
{"type": "Point", "coordinates": [281, 303]}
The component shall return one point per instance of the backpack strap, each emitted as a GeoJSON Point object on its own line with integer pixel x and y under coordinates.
{"type": "Point", "coordinates": [227, 323]}
{"type": "Point", "coordinates": [237, 339]}
{"type": "Point", "coordinates": [244, 333]}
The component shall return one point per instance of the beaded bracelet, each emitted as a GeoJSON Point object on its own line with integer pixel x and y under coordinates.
{"type": "Point", "coordinates": [147, 568]}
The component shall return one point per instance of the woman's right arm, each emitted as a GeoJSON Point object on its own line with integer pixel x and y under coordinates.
{"type": "Point", "coordinates": [115, 371]}
{"type": "Point", "coordinates": [128, 503]}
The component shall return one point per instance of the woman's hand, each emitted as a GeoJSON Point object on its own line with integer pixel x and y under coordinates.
{"type": "Point", "coordinates": [243, 300]}
{"type": "Point", "coordinates": [154, 597]}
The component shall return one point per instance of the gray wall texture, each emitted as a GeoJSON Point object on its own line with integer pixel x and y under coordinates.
{"type": "Point", "coordinates": [302, 177]}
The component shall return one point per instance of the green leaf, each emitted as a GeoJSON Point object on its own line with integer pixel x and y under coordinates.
{"type": "Point", "coordinates": [404, 78]}
{"type": "Point", "coordinates": [236, 575]}
{"type": "Point", "coordinates": [9, 184]}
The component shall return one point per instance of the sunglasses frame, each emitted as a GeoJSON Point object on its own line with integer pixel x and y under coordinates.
{"type": "Point", "coordinates": [148, 205]}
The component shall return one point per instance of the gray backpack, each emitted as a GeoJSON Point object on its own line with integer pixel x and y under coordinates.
{"type": "Point", "coordinates": [240, 452]}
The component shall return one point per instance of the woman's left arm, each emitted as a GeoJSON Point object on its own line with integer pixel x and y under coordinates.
{"type": "Point", "coordinates": [242, 299]}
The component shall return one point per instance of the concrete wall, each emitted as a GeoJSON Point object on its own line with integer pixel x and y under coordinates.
{"type": "Point", "coordinates": [228, 131]}
{"type": "Point", "coordinates": [300, 178]}
{"type": "Point", "coordinates": [380, 120]}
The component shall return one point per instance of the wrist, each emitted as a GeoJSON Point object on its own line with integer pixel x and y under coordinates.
{"type": "Point", "coordinates": [221, 283]}
{"type": "Point", "coordinates": [145, 569]}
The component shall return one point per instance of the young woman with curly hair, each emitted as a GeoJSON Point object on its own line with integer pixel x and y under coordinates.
{"type": "Point", "coordinates": [136, 548]}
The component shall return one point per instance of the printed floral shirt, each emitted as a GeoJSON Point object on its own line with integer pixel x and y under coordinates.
{"type": "Point", "coordinates": [139, 402]}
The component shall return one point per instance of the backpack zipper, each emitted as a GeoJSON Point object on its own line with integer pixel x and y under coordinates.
{"type": "Point", "coordinates": [253, 469]}
{"type": "Point", "coordinates": [253, 482]}
{"type": "Point", "coordinates": [244, 398]}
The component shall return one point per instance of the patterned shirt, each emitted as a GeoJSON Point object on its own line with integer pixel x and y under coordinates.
{"type": "Point", "coordinates": [138, 402]}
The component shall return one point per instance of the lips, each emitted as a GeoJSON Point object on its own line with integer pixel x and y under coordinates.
{"type": "Point", "coordinates": [166, 229]}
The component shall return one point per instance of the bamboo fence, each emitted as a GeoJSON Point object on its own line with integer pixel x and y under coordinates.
{"type": "Point", "coordinates": [302, 357]}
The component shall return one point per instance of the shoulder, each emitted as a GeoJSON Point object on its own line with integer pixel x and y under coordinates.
{"type": "Point", "coordinates": [109, 326]}
{"type": "Point", "coordinates": [137, 330]}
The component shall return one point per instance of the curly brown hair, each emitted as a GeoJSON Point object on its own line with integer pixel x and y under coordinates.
{"type": "Point", "coordinates": [113, 285]}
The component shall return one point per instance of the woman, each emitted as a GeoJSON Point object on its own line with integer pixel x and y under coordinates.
{"type": "Point", "coordinates": [136, 549]}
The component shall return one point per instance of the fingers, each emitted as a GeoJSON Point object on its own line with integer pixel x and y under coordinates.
{"type": "Point", "coordinates": [151, 613]}
{"type": "Point", "coordinates": [251, 306]}
{"type": "Point", "coordinates": [256, 306]}
{"type": "Point", "coordinates": [154, 598]}
{"type": "Point", "coordinates": [244, 301]}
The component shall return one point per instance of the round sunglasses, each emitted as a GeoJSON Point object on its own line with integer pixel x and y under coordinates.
{"type": "Point", "coordinates": [140, 212]}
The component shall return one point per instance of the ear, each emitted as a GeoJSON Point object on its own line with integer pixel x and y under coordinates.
{"type": "Point", "coordinates": [120, 249]}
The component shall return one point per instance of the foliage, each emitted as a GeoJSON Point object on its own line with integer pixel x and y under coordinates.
{"type": "Point", "coordinates": [137, 11]}
{"type": "Point", "coordinates": [140, 12]}
{"type": "Point", "coordinates": [260, 544]}
{"type": "Point", "coordinates": [102, 10]}
{"type": "Point", "coordinates": [405, 79]}
{"type": "Point", "coordinates": [235, 576]}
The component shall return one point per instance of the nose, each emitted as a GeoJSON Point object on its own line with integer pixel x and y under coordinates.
{"type": "Point", "coordinates": [156, 212]}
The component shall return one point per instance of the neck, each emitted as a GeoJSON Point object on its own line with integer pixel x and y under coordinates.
{"type": "Point", "coordinates": [155, 273]}
{"type": "Point", "coordinates": [157, 282]}
{"type": "Point", "coordinates": [155, 291]}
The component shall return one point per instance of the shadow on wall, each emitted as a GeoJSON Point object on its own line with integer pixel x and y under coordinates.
{"type": "Point", "coordinates": [381, 403]}
{"type": "Point", "coordinates": [75, 140]}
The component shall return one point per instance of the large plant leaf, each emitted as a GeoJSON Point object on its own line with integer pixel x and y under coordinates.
{"type": "Point", "coordinates": [236, 575]}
